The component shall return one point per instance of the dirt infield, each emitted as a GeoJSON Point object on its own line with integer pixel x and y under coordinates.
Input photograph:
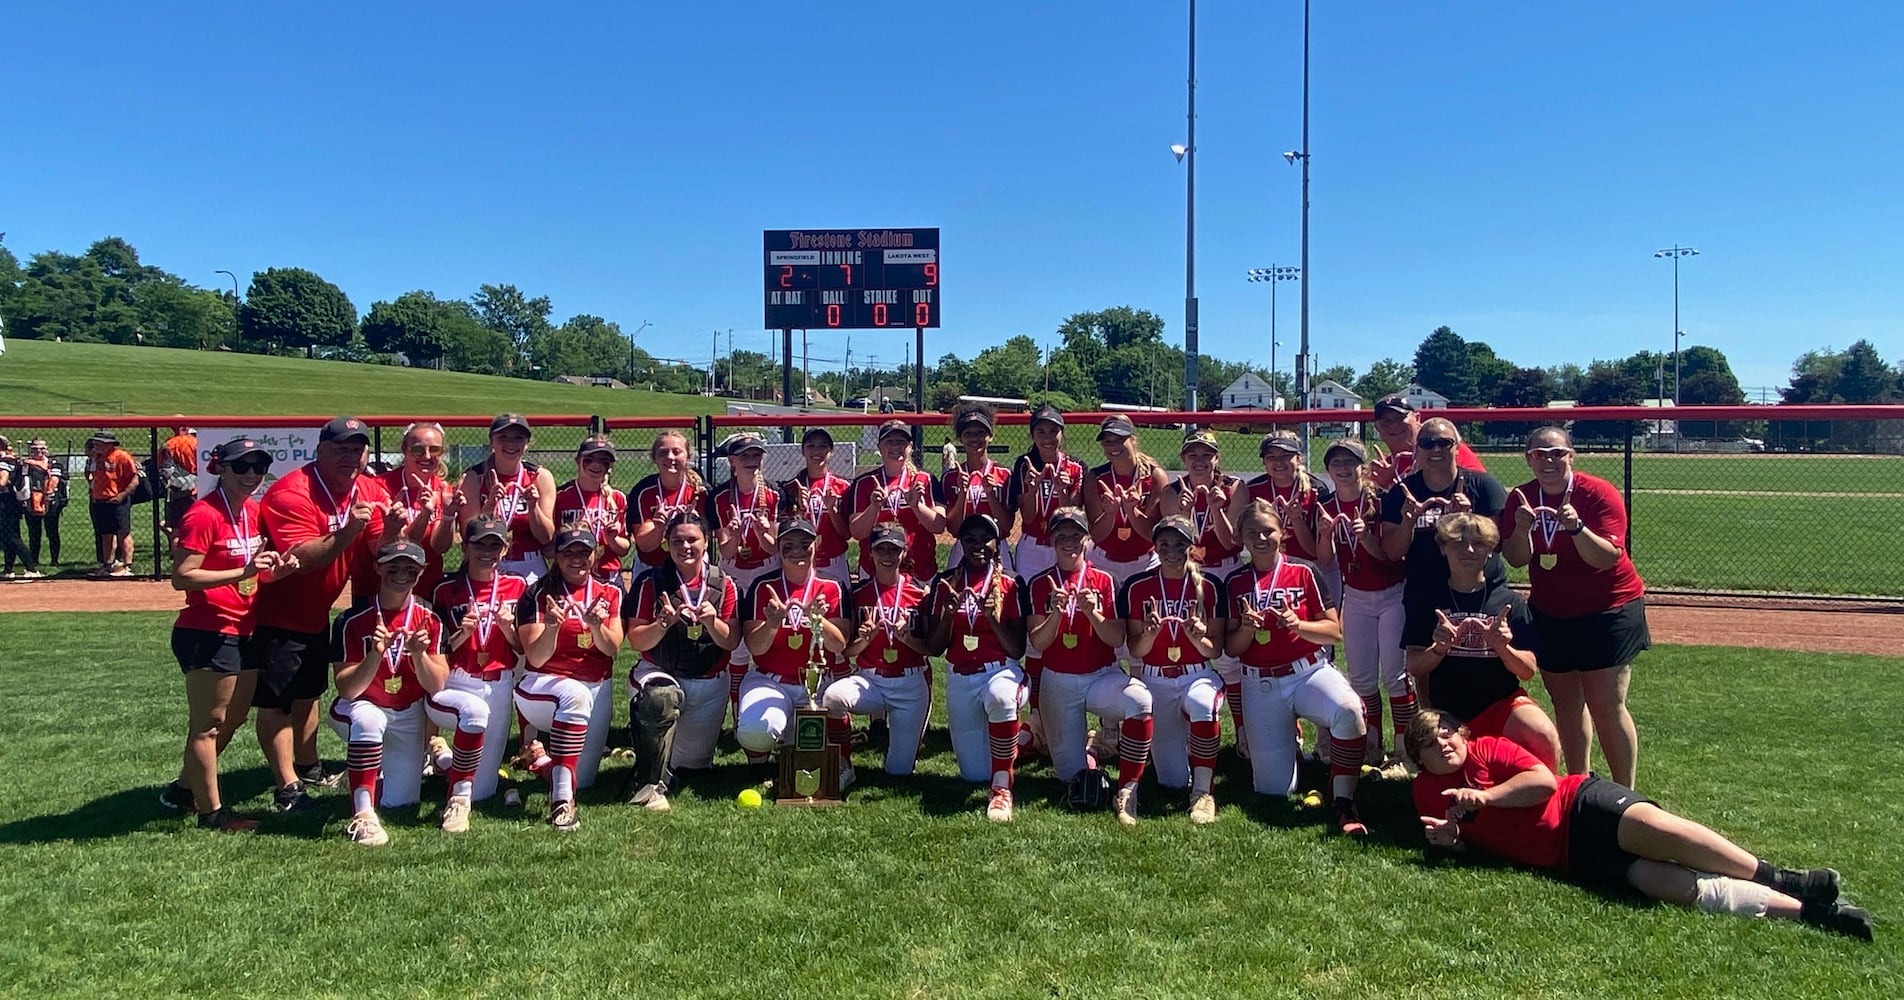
{"type": "Point", "coordinates": [1872, 629]}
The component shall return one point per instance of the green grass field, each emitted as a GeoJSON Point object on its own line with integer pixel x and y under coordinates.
{"type": "Point", "coordinates": [906, 890]}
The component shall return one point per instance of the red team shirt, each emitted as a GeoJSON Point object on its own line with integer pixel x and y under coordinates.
{"type": "Point", "coordinates": [1286, 585]}
{"type": "Point", "coordinates": [598, 511]}
{"type": "Point", "coordinates": [1573, 589]}
{"type": "Point", "coordinates": [1202, 511]}
{"type": "Point", "coordinates": [1032, 525]}
{"type": "Point", "coordinates": [1176, 597]}
{"type": "Point", "coordinates": [985, 490]}
{"type": "Point", "coordinates": [832, 542]}
{"type": "Point", "coordinates": [395, 685]}
{"type": "Point", "coordinates": [969, 620]}
{"type": "Point", "coordinates": [1360, 568]}
{"type": "Point", "coordinates": [575, 653]}
{"type": "Point", "coordinates": [457, 596]}
{"type": "Point", "coordinates": [226, 542]}
{"type": "Point", "coordinates": [295, 510]}
{"type": "Point", "coordinates": [1125, 542]}
{"type": "Point", "coordinates": [786, 658]}
{"type": "Point", "coordinates": [1535, 836]}
{"type": "Point", "coordinates": [921, 545]}
{"type": "Point", "coordinates": [1305, 502]}
{"type": "Point", "coordinates": [755, 507]}
{"type": "Point", "coordinates": [1082, 652]}
{"type": "Point", "coordinates": [397, 484]}
{"type": "Point", "coordinates": [512, 507]}
{"type": "Point", "coordinates": [893, 610]}
{"type": "Point", "coordinates": [651, 499]}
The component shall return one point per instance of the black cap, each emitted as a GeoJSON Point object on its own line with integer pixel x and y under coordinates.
{"type": "Point", "coordinates": [238, 447]}
{"type": "Point", "coordinates": [899, 427]}
{"type": "Point", "coordinates": [569, 537]}
{"type": "Point", "coordinates": [593, 444]}
{"type": "Point", "coordinates": [103, 437]}
{"type": "Point", "coordinates": [344, 429]}
{"type": "Point", "coordinates": [504, 421]}
{"type": "Point", "coordinates": [886, 534]}
{"type": "Point", "coordinates": [978, 521]}
{"type": "Point", "coordinates": [979, 417]}
{"type": "Point", "coordinates": [1067, 515]}
{"type": "Point", "coordinates": [1393, 403]}
{"type": "Point", "coordinates": [797, 526]}
{"type": "Point", "coordinates": [1116, 426]}
{"type": "Point", "coordinates": [1199, 437]}
{"type": "Point", "coordinates": [1349, 445]}
{"type": "Point", "coordinates": [1179, 524]}
{"type": "Point", "coordinates": [402, 548]}
{"type": "Point", "coordinates": [741, 441]}
{"type": "Point", "coordinates": [485, 526]}
{"type": "Point", "coordinates": [1046, 413]}
{"type": "Point", "coordinates": [1276, 442]}
{"type": "Point", "coordinates": [817, 432]}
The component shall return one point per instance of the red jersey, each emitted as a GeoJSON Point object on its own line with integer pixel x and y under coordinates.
{"type": "Point", "coordinates": [1176, 598]}
{"type": "Point", "coordinates": [1125, 542]}
{"type": "Point", "coordinates": [1360, 568]}
{"type": "Point", "coordinates": [296, 509]}
{"type": "Point", "coordinates": [920, 545]}
{"type": "Point", "coordinates": [395, 685]}
{"type": "Point", "coordinates": [401, 486]}
{"type": "Point", "coordinates": [1301, 502]}
{"type": "Point", "coordinates": [973, 643]}
{"type": "Point", "coordinates": [985, 491]}
{"type": "Point", "coordinates": [575, 653]}
{"type": "Point", "coordinates": [1202, 510]}
{"type": "Point", "coordinates": [226, 542]}
{"type": "Point", "coordinates": [645, 604]}
{"type": "Point", "coordinates": [832, 530]}
{"type": "Point", "coordinates": [1078, 650]}
{"type": "Point", "coordinates": [650, 499]}
{"type": "Point", "coordinates": [892, 610]}
{"type": "Point", "coordinates": [1560, 582]}
{"type": "Point", "coordinates": [486, 653]}
{"type": "Point", "coordinates": [600, 511]}
{"type": "Point", "coordinates": [1535, 836]}
{"type": "Point", "coordinates": [755, 508]}
{"type": "Point", "coordinates": [511, 504]}
{"type": "Point", "coordinates": [786, 658]}
{"type": "Point", "coordinates": [1286, 585]}
{"type": "Point", "coordinates": [1049, 495]}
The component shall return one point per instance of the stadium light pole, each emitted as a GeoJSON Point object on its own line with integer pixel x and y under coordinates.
{"type": "Point", "coordinates": [1187, 155]}
{"type": "Point", "coordinates": [1675, 252]}
{"type": "Point", "coordinates": [1302, 351]}
{"type": "Point", "coordinates": [631, 351]}
{"type": "Point", "coordinates": [237, 334]}
{"type": "Point", "coordinates": [1274, 274]}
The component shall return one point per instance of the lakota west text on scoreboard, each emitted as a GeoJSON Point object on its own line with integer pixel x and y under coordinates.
{"type": "Point", "coordinates": [851, 279]}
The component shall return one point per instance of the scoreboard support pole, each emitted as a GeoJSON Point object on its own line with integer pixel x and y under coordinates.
{"type": "Point", "coordinates": [919, 387]}
{"type": "Point", "coordinates": [786, 367]}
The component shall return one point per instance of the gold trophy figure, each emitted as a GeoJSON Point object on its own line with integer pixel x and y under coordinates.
{"type": "Point", "coordinates": [810, 766]}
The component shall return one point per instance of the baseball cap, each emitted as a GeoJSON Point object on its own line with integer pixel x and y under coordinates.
{"type": "Point", "coordinates": [886, 534]}
{"type": "Point", "coordinates": [1179, 524]}
{"type": "Point", "coordinates": [1115, 426]}
{"type": "Point", "coordinates": [1393, 403]}
{"type": "Point", "coordinates": [402, 548]}
{"type": "Point", "coordinates": [593, 444]}
{"type": "Point", "coordinates": [817, 432]}
{"type": "Point", "coordinates": [1198, 438]}
{"type": "Point", "coordinates": [344, 429]}
{"type": "Point", "coordinates": [891, 427]}
{"type": "Point", "coordinates": [571, 537]}
{"type": "Point", "coordinates": [485, 526]}
{"type": "Point", "coordinates": [238, 447]}
{"type": "Point", "coordinates": [742, 441]}
{"type": "Point", "coordinates": [103, 437]}
{"type": "Point", "coordinates": [797, 526]}
{"type": "Point", "coordinates": [1067, 515]}
{"type": "Point", "coordinates": [973, 521]}
{"type": "Point", "coordinates": [979, 417]}
{"type": "Point", "coordinates": [1347, 445]}
{"type": "Point", "coordinates": [504, 421]}
{"type": "Point", "coordinates": [1276, 442]}
{"type": "Point", "coordinates": [1046, 413]}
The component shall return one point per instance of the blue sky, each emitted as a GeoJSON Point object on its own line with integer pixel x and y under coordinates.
{"type": "Point", "coordinates": [1506, 169]}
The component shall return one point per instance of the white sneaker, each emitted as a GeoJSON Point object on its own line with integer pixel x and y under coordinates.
{"type": "Point", "coordinates": [456, 815]}
{"type": "Point", "coordinates": [999, 810]}
{"type": "Point", "coordinates": [657, 803]}
{"type": "Point", "coordinates": [847, 776]}
{"type": "Point", "coordinates": [1127, 805]}
{"type": "Point", "coordinates": [437, 749]}
{"type": "Point", "coordinates": [366, 829]}
{"type": "Point", "coordinates": [1203, 809]}
{"type": "Point", "coordinates": [562, 817]}
{"type": "Point", "coordinates": [31, 575]}
{"type": "Point", "coordinates": [651, 798]}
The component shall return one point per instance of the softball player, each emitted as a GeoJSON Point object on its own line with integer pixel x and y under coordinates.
{"type": "Point", "coordinates": [1173, 618]}
{"type": "Point", "coordinates": [976, 484]}
{"type": "Point", "coordinates": [673, 488]}
{"type": "Point", "coordinates": [1372, 613]}
{"type": "Point", "coordinates": [570, 627]}
{"type": "Point", "coordinates": [785, 612]}
{"type": "Point", "coordinates": [1280, 625]}
{"type": "Point", "coordinates": [519, 492]}
{"type": "Point", "coordinates": [478, 607]}
{"type": "Point", "coordinates": [890, 658]}
{"type": "Point", "coordinates": [976, 617]}
{"type": "Point", "coordinates": [1123, 498]}
{"type": "Point", "coordinates": [1203, 493]}
{"type": "Point", "coordinates": [817, 495]}
{"type": "Point", "coordinates": [1294, 494]}
{"type": "Point", "coordinates": [743, 515]}
{"type": "Point", "coordinates": [429, 508]}
{"type": "Point", "coordinates": [1042, 480]}
{"type": "Point", "coordinates": [1075, 628]}
{"type": "Point", "coordinates": [898, 492]}
{"type": "Point", "coordinates": [587, 501]}
{"type": "Point", "coordinates": [681, 619]}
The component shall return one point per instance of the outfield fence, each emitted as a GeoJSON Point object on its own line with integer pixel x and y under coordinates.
{"type": "Point", "coordinates": [1794, 503]}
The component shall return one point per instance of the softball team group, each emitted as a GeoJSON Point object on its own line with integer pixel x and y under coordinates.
{"type": "Point", "coordinates": [1147, 599]}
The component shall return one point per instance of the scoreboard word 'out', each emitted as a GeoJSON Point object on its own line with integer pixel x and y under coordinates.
{"type": "Point", "coordinates": [851, 279]}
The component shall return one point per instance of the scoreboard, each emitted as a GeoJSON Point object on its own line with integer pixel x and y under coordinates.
{"type": "Point", "coordinates": [851, 279]}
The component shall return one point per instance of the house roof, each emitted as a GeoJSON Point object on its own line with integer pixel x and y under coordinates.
{"type": "Point", "coordinates": [1340, 389]}
{"type": "Point", "coordinates": [1248, 382]}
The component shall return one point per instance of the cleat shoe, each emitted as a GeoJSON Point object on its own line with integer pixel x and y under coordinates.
{"type": "Point", "coordinates": [1817, 886]}
{"type": "Point", "coordinates": [1126, 806]}
{"type": "Point", "coordinates": [178, 797]}
{"type": "Point", "coordinates": [313, 776]}
{"type": "Point", "coordinates": [650, 797]}
{"type": "Point", "coordinates": [1203, 809]}
{"type": "Point", "coordinates": [562, 817]}
{"type": "Point", "coordinates": [366, 829]}
{"type": "Point", "coordinates": [456, 814]}
{"type": "Point", "coordinates": [292, 799]}
{"type": "Point", "coordinates": [437, 749]}
{"type": "Point", "coordinates": [1347, 819]}
{"type": "Point", "coordinates": [120, 572]}
{"type": "Point", "coordinates": [1396, 767]}
{"type": "Point", "coordinates": [847, 776]}
{"type": "Point", "coordinates": [1851, 921]}
{"type": "Point", "coordinates": [999, 809]}
{"type": "Point", "coordinates": [224, 819]}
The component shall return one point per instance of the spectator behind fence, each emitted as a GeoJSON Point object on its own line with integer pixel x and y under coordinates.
{"type": "Point", "coordinates": [46, 498]}
{"type": "Point", "coordinates": [177, 462]}
{"type": "Point", "coordinates": [13, 493]}
{"type": "Point", "coordinates": [114, 477]}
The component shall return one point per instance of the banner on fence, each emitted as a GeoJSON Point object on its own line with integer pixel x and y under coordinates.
{"type": "Point", "coordinates": [290, 447]}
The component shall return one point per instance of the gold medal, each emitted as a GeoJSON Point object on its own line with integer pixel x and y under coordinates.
{"type": "Point", "coordinates": [482, 658]}
{"type": "Point", "coordinates": [1263, 636]}
{"type": "Point", "coordinates": [1123, 534]}
{"type": "Point", "coordinates": [1174, 653]}
{"type": "Point", "coordinates": [392, 685]}
{"type": "Point", "coordinates": [890, 654]}
{"type": "Point", "coordinates": [694, 631]}
{"type": "Point", "coordinates": [583, 640]}
{"type": "Point", "coordinates": [1070, 641]}
{"type": "Point", "coordinates": [743, 552]}
{"type": "Point", "coordinates": [970, 642]}
{"type": "Point", "coordinates": [1548, 560]}
{"type": "Point", "coordinates": [248, 586]}
{"type": "Point", "coordinates": [796, 640]}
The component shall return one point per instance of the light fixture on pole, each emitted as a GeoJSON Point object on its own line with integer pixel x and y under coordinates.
{"type": "Point", "coordinates": [1675, 252]}
{"type": "Point", "coordinates": [1274, 274]}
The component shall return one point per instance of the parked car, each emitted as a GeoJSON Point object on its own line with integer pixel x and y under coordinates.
{"type": "Point", "coordinates": [858, 403]}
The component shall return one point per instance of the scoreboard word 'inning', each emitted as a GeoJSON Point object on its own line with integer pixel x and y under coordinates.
{"type": "Point", "coordinates": [852, 279]}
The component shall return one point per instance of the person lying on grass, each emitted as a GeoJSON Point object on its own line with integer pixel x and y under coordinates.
{"type": "Point", "coordinates": [1492, 794]}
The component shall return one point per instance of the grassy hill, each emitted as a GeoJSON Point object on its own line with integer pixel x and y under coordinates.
{"type": "Point", "coordinates": [40, 378]}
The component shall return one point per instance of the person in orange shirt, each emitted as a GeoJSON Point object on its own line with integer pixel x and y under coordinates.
{"type": "Point", "coordinates": [178, 466]}
{"type": "Point", "coordinates": [114, 476]}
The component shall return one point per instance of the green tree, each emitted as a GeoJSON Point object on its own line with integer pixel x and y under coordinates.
{"type": "Point", "coordinates": [944, 396]}
{"type": "Point", "coordinates": [950, 368]}
{"type": "Point", "coordinates": [504, 309]}
{"type": "Point", "coordinates": [589, 346]}
{"type": "Point", "coordinates": [61, 296]}
{"type": "Point", "coordinates": [1384, 377]}
{"type": "Point", "coordinates": [1068, 378]}
{"type": "Point", "coordinates": [1442, 363]}
{"type": "Point", "coordinates": [468, 345]}
{"type": "Point", "coordinates": [1342, 375]}
{"type": "Point", "coordinates": [1489, 372]}
{"type": "Point", "coordinates": [1523, 387]}
{"type": "Point", "coordinates": [295, 308]}
{"type": "Point", "coordinates": [412, 326]}
{"type": "Point", "coordinates": [1610, 384]}
{"type": "Point", "coordinates": [1009, 370]}
{"type": "Point", "coordinates": [1566, 380]}
{"type": "Point", "coordinates": [175, 314]}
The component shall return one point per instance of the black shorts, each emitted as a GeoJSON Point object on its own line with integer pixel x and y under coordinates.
{"type": "Point", "coordinates": [1592, 642]}
{"type": "Point", "coordinates": [294, 666]}
{"type": "Point", "coordinates": [111, 518]}
{"type": "Point", "coordinates": [198, 649]}
{"type": "Point", "coordinates": [1594, 854]}
{"type": "Point", "coordinates": [176, 504]}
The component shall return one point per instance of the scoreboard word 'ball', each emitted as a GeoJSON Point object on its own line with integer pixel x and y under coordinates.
{"type": "Point", "coordinates": [851, 279]}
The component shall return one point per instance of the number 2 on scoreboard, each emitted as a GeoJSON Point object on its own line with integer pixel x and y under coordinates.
{"type": "Point", "coordinates": [786, 275]}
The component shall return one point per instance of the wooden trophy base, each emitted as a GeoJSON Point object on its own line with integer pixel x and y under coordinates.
{"type": "Point", "coordinates": [809, 752]}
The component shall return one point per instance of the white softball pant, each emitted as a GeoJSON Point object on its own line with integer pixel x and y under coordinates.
{"type": "Point", "coordinates": [904, 701]}
{"type": "Point", "coordinates": [498, 699]}
{"type": "Point", "coordinates": [973, 701]}
{"type": "Point", "coordinates": [767, 705]}
{"type": "Point", "coordinates": [1120, 570]}
{"type": "Point", "coordinates": [1317, 692]}
{"type": "Point", "coordinates": [357, 720]}
{"type": "Point", "coordinates": [1064, 699]}
{"type": "Point", "coordinates": [698, 727]}
{"type": "Point", "coordinates": [1372, 640]}
{"type": "Point", "coordinates": [1176, 702]}
{"type": "Point", "coordinates": [544, 698]}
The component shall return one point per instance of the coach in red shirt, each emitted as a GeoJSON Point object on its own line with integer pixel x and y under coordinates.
{"type": "Point", "coordinates": [326, 515]}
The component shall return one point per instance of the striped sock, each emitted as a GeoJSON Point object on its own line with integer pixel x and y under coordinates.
{"type": "Point", "coordinates": [363, 759]}
{"type": "Point", "coordinates": [1133, 749]}
{"type": "Point", "coordinates": [1204, 739]}
{"type": "Point", "coordinates": [565, 751]}
{"type": "Point", "coordinates": [1003, 737]}
{"type": "Point", "coordinates": [736, 672]}
{"type": "Point", "coordinates": [1401, 710]}
{"type": "Point", "coordinates": [1372, 718]}
{"type": "Point", "coordinates": [1233, 697]}
{"type": "Point", "coordinates": [1345, 765]}
{"type": "Point", "coordinates": [839, 732]}
{"type": "Point", "coordinates": [465, 750]}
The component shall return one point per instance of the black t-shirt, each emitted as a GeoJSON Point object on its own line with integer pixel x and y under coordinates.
{"type": "Point", "coordinates": [1424, 568]}
{"type": "Point", "coordinates": [15, 474]}
{"type": "Point", "coordinates": [1471, 677]}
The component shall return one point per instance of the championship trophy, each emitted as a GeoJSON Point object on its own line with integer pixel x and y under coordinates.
{"type": "Point", "coordinates": [809, 765]}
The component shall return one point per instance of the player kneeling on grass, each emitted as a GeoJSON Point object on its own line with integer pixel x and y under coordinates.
{"type": "Point", "coordinates": [890, 659]}
{"type": "Point", "coordinates": [1491, 794]}
{"type": "Point", "coordinates": [388, 656]}
{"type": "Point", "coordinates": [786, 613]}
{"type": "Point", "coordinates": [977, 619]}
{"type": "Point", "coordinates": [1280, 626]}
{"type": "Point", "coordinates": [477, 605]}
{"type": "Point", "coordinates": [1173, 616]}
{"type": "Point", "coordinates": [1461, 644]}
{"type": "Point", "coordinates": [1075, 628]}
{"type": "Point", "coordinates": [681, 619]}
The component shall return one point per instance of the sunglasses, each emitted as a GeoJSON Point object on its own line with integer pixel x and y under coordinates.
{"type": "Point", "coordinates": [246, 468]}
{"type": "Point", "coordinates": [1434, 443]}
{"type": "Point", "coordinates": [426, 449]}
{"type": "Point", "coordinates": [1555, 454]}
